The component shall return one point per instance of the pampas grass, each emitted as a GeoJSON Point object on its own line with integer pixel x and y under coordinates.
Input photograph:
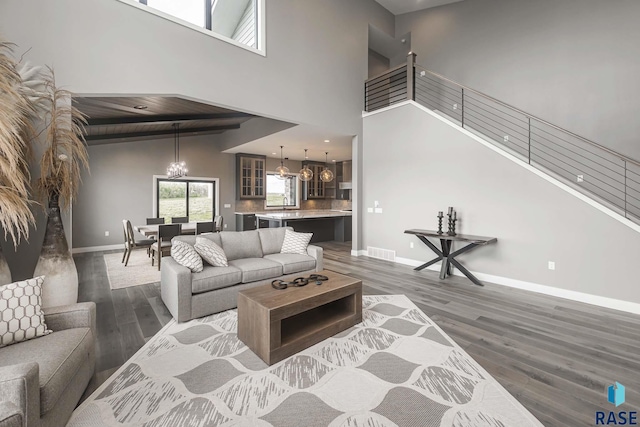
{"type": "Point", "coordinates": [16, 110]}
{"type": "Point", "coordinates": [66, 152]}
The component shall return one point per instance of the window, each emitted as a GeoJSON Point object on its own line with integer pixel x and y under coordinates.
{"type": "Point", "coordinates": [282, 193]}
{"type": "Point", "coordinates": [236, 21]}
{"type": "Point", "coordinates": [190, 198]}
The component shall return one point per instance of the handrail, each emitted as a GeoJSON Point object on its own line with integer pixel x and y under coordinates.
{"type": "Point", "coordinates": [603, 173]}
{"type": "Point", "coordinates": [531, 116]}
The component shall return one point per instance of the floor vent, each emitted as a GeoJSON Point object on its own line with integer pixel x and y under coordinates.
{"type": "Point", "coordinates": [380, 253]}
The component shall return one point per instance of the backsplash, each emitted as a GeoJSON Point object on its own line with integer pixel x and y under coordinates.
{"type": "Point", "coordinates": [258, 205]}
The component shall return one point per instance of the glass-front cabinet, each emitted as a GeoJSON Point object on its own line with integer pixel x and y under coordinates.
{"type": "Point", "coordinates": [315, 188]}
{"type": "Point", "coordinates": [251, 176]}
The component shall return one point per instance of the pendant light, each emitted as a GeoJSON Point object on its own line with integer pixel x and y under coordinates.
{"type": "Point", "coordinates": [326, 175]}
{"type": "Point", "coordinates": [282, 171]}
{"type": "Point", "coordinates": [176, 169]}
{"type": "Point", "coordinates": [306, 174]}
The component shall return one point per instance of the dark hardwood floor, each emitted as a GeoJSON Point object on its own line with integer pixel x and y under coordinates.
{"type": "Point", "coordinates": [556, 356]}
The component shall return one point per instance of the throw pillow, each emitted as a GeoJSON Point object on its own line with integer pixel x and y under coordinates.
{"type": "Point", "coordinates": [211, 252]}
{"type": "Point", "coordinates": [186, 255]}
{"type": "Point", "coordinates": [21, 316]}
{"type": "Point", "coordinates": [295, 243]}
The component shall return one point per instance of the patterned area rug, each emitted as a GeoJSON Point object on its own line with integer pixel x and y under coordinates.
{"type": "Point", "coordinates": [396, 368]}
{"type": "Point", "coordinates": [138, 271]}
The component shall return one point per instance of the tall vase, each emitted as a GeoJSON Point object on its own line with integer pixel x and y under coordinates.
{"type": "Point", "coordinates": [5, 273]}
{"type": "Point", "coordinates": [56, 263]}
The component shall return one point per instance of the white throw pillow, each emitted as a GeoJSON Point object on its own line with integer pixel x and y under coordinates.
{"type": "Point", "coordinates": [21, 316]}
{"type": "Point", "coordinates": [211, 252]}
{"type": "Point", "coordinates": [186, 255]}
{"type": "Point", "coordinates": [295, 243]}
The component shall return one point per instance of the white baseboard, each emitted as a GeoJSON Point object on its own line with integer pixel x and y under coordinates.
{"type": "Point", "coordinates": [97, 248]}
{"type": "Point", "coordinates": [358, 253]}
{"type": "Point", "coordinates": [627, 306]}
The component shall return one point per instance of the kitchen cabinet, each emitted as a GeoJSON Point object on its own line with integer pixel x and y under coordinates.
{"type": "Point", "coordinates": [315, 188]}
{"type": "Point", "coordinates": [343, 180]}
{"type": "Point", "coordinates": [246, 222]}
{"type": "Point", "coordinates": [251, 177]}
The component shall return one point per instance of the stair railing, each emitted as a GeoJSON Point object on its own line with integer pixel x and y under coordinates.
{"type": "Point", "coordinates": [607, 176]}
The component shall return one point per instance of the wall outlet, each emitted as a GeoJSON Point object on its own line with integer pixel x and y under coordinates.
{"type": "Point", "coordinates": [422, 73]}
{"type": "Point", "coordinates": [370, 210]}
{"type": "Point", "coordinates": [106, 234]}
{"type": "Point", "coordinates": [225, 226]}
{"type": "Point", "coordinates": [455, 106]}
{"type": "Point", "coordinates": [227, 205]}
{"type": "Point", "coordinates": [580, 178]}
{"type": "Point", "coordinates": [411, 245]}
{"type": "Point", "coordinates": [506, 138]}
{"type": "Point", "coordinates": [552, 265]}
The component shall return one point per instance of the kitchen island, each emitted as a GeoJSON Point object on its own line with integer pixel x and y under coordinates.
{"type": "Point", "coordinates": [325, 225]}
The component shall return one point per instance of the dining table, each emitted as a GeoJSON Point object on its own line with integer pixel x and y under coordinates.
{"type": "Point", "coordinates": [152, 229]}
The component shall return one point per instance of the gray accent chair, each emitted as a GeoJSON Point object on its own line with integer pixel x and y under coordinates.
{"type": "Point", "coordinates": [42, 379]}
{"type": "Point", "coordinates": [254, 259]}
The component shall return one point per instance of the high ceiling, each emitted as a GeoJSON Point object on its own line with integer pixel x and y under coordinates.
{"type": "Point", "coordinates": [398, 7]}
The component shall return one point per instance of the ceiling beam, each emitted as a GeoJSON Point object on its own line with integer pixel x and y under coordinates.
{"type": "Point", "coordinates": [107, 104]}
{"type": "Point", "coordinates": [161, 119]}
{"type": "Point", "coordinates": [168, 132]}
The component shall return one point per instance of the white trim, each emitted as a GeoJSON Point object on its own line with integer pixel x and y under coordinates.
{"type": "Point", "coordinates": [607, 211]}
{"type": "Point", "coordinates": [260, 13]}
{"type": "Point", "coordinates": [154, 198]}
{"type": "Point", "coordinates": [97, 248]}
{"type": "Point", "coordinates": [627, 306]}
{"type": "Point", "coordinates": [361, 252]}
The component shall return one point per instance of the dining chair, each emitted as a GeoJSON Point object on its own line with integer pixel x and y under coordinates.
{"type": "Point", "coordinates": [154, 221]}
{"type": "Point", "coordinates": [130, 243]}
{"type": "Point", "coordinates": [204, 227]}
{"type": "Point", "coordinates": [218, 222]}
{"type": "Point", "coordinates": [179, 219]}
{"type": "Point", "coordinates": [163, 246]}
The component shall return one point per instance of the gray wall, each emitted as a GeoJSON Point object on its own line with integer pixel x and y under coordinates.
{"type": "Point", "coordinates": [572, 62]}
{"type": "Point", "coordinates": [120, 185]}
{"type": "Point", "coordinates": [534, 221]}
{"type": "Point", "coordinates": [378, 64]}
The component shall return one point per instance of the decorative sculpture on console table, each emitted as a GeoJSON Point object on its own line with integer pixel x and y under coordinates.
{"type": "Point", "coordinates": [440, 222]}
{"type": "Point", "coordinates": [452, 222]}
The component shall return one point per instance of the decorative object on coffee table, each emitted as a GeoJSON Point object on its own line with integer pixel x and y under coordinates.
{"type": "Point", "coordinates": [64, 156]}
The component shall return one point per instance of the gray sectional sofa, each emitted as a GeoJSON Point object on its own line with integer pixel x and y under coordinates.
{"type": "Point", "coordinates": [254, 259]}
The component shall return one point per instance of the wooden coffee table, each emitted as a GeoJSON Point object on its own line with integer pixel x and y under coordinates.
{"type": "Point", "coordinates": [276, 324]}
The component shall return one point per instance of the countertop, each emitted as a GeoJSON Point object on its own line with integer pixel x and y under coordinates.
{"type": "Point", "coordinates": [299, 214]}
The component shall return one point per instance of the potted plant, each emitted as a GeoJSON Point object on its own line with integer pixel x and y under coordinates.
{"type": "Point", "coordinates": [16, 111]}
{"type": "Point", "coordinates": [64, 156]}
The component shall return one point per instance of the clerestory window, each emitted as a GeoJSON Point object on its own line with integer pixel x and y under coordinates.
{"type": "Point", "coordinates": [236, 21]}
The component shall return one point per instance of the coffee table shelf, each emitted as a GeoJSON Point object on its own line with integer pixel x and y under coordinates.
{"type": "Point", "coordinates": [276, 324]}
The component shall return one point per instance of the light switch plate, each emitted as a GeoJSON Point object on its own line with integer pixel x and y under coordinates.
{"type": "Point", "coordinates": [227, 205]}
{"type": "Point", "coordinates": [370, 210]}
{"type": "Point", "coordinates": [378, 210]}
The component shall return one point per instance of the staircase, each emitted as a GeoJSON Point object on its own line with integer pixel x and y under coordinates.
{"type": "Point", "coordinates": [604, 175]}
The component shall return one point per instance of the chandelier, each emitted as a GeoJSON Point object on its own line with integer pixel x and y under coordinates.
{"type": "Point", "coordinates": [326, 175]}
{"type": "Point", "coordinates": [306, 174]}
{"type": "Point", "coordinates": [282, 171]}
{"type": "Point", "coordinates": [176, 169]}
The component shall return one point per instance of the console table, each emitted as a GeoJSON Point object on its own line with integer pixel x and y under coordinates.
{"type": "Point", "coordinates": [445, 253]}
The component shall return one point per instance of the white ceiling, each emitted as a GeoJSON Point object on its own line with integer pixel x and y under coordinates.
{"type": "Point", "coordinates": [398, 7]}
{"type": "Point", "coordinates": [295, 140]}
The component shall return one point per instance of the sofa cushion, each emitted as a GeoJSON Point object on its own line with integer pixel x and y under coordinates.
{"type": "Point", "coordinates": [254, 269]}
{"type": "Point", "coordinates": [59, 356]}
{"type": "Point", "coordinates": [21, 316]}
{"type": "Point", "coordinates": [293, 263]}
{"type": "Point", "coordinates": [295, 243]}
{"type": "Point", "coordinates": [241, 244]}
{"type": "Point", "coordinates": [271, 239]}
{"type": "Point", "coordinates": [210, 252]}
{"type": "Point", "coordinates": [186, 255]}
{"type": "Point", "coordinates": [212, 278]}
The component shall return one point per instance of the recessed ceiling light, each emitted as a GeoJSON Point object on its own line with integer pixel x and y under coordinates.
{"type": "Point", "coordinates": [326, 140]}
{"type": "Point", "coordinates": [140, 107]}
